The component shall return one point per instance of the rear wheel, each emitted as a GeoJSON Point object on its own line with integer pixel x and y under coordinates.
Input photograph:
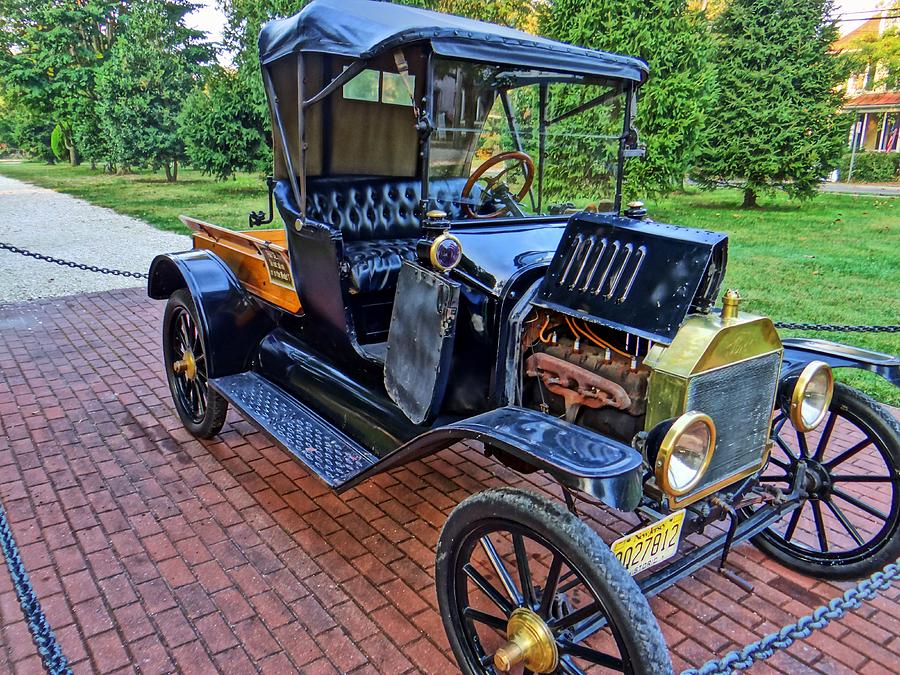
{"type": "Point", "coordinates": [201, 409]}
{"type": "Point", "coordinates": [849, 525]}
{"type": "Point", "coordinates": [524, 586]}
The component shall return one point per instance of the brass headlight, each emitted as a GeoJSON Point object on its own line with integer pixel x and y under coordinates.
{"type": "Point", "coordinates": [684, 453]}
{"type": "Point", "coordinates": [446, 252]}
{"type": "Point", "coordinates": [812, 396]}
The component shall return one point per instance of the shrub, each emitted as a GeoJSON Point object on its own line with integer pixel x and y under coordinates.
{"type": "Point", "coordinates": [871, 167]}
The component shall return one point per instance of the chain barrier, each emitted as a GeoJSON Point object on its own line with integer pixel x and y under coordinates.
{"type": "Point", "coordinates": [762, 649]}
{"type": "Point", "coordinates": [836, 328]}
{"type": "Point", "coordinates": [68, 263]}
{"type": "Point", "coordinates": [787, 325]}
{"type": "Point", "coordinates": [48, 648]}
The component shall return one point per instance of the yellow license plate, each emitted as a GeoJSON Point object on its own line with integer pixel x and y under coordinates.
{"type": "Point", "coordinates": [650, 545]}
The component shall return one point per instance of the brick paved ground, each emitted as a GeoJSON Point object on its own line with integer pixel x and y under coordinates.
{"type": "Point", "coordinates": [155, 552]}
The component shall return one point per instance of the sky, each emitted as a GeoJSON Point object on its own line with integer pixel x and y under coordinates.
{"type": "Point", "coordinates": [209, 17]}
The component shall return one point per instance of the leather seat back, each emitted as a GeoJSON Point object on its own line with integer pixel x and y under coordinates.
{"type": "Point", "coordinates": [375, 208]}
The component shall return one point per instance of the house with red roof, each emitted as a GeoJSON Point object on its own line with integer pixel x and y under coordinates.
{"type": "Point", "coordinates": [877, 109]}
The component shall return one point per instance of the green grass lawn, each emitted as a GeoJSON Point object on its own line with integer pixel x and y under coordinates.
{"type": "Point", "coordinates": [835, 259]}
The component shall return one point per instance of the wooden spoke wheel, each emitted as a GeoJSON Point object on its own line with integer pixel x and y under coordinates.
{"type": "Point", "coordinates": [847, 526]}
{"type": "Point", "coordinates": [524, 586]}
{"type": "Point", "coordinates": [201, 410]}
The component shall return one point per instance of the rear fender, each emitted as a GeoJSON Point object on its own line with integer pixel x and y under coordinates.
{"type": "Point", "coordinates": [800, 351]}
{"type": "Point", "coordinates": [578, 458]}
{"type": "Point", "coordinates": [233, 322]}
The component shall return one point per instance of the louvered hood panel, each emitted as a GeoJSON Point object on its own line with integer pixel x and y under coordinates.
{"type": "Point", "coordinates": [638, 276]}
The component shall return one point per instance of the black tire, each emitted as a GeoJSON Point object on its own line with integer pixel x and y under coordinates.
{"type": "Point", "coordinates": [535, 522]}
{"type": "Point", "coordinates": [201, 409]}
{"type": "Point", "coordinates": [831, 515]}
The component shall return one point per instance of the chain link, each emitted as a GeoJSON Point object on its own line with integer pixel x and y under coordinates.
{"type": "Point", "coordinates": [836, 328]}
{"type": "Point", "coordinates": [825, 327]}
{"type": "Point", "coordinates": [48, 648]}
{"type": "Point", "coordinates": [69, 263]}
{"type": "Point", "coordinates": [762, 649]}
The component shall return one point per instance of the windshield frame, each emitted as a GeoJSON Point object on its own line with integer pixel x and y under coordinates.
{"type": "Point", "coordinates": [543, 79]}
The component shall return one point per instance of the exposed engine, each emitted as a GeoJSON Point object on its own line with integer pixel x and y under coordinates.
{"type": "Point", "coordinates": [593, 376]}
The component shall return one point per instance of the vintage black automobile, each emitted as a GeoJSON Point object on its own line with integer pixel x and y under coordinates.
{"type": "Point", "coordinates": [423, 292]}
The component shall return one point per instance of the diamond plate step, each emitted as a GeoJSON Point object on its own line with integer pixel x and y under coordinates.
{"type": "Point", "coordinates": [328, 453]}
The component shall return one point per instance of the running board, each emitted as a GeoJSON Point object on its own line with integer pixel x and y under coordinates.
{"type": "Point", "coordinates": [317, 444]}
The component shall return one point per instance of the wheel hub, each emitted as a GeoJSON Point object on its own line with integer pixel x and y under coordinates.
{"type": "Point", "coordinates": [818, 480]}
{"type": "Point", "coordinates": [186, 366]}
{"type": "Point", "coordinates": [530, 642]}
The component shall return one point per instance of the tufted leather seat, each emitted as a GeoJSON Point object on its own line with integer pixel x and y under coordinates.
{"type": "Point", "coordinates": [376, 218]}
{"type": "Point", "coordinates": [374, 265]}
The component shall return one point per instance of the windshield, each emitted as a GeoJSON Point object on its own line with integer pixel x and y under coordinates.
{"type": "Point", "coordinates": [481, 111]}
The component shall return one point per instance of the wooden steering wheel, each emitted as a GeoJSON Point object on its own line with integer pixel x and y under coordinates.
{"type": "Point", "coordinates": [520, 158]}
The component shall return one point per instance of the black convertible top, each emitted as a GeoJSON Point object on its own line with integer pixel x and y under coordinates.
{"type": "Point", "coordinates": [366, 28]}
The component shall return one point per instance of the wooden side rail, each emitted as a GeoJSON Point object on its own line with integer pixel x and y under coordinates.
{"type": "Point", "coordinates": [258, 258]}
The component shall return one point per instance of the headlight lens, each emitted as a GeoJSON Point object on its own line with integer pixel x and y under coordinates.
{"type": "Point", "coordinates": [446, 252]}
{"type": "Point", "coordinates": [684, 453]}
{"type": "Point", "coordinates": [812, 396]}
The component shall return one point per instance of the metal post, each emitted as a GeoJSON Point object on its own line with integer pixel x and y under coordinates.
{"type": "Point", "coordinates": [514, 128]}
{"type": "Point", "coordinates": [542, 130]}
{"type": "Point", "coordinates": [279, 123]}
{"type": "Point", "coordinates": [853, 144]}
{"type": "Point", "coordinates": [425, 128]}
{"type": "Point", "coordinates": [301, 137]}
{"type": "Point", "coordinates": [626, 128]}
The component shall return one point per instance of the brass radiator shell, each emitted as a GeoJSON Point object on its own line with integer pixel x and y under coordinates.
{"type": "Point", "coordinates": [741, 358]}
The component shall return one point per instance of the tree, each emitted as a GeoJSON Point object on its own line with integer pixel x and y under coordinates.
{"type": "Point", "coordinates": [222, 131]}
{"type": "Point", "coordinates": [50, 53]}
{"type": "Point", "coordinates": [776, 121]}
{"type": "Point", "coordinates": [878, 53]}
{"type": "Point", "coordinates": [674, 102]}
{"type": "Point", "coordinates": [141, 87]}
{"type": "Point", "coordinates": [521, 14]}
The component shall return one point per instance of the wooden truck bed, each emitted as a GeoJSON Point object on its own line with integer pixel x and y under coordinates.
{"type": "Point", "coordinates": [259, 258]}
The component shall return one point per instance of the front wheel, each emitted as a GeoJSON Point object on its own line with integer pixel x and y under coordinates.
{"type": "Point", "coordinates": [848, 526]}
{"type": "Point", "coordinates": [202, 410]}
{"type": "Point", "coordinates": [525, 586]}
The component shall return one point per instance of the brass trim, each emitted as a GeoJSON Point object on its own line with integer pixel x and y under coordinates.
{"type": "Point", "coordinates": [808, 373]}
{"type": "Point", "coordinates": [187, 365]}
{"type": "Point", "coordinates": [730, 304]}
{"type": "Point", "coordinates": [432, 252]}
{"type": "Point", "coordinates": [530, 642]}
{"type": "Point", "coordinates": [667, 447]}
{"type": "Point", "coordinates": [725, 482]}
{"type": "Point", "coordinates": [436, 214]}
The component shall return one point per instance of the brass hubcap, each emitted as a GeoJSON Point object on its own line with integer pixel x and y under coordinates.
{"type": "Point", "coordinates": [530, 642]}
{"type": "Point", "coordinates": [187, 366]}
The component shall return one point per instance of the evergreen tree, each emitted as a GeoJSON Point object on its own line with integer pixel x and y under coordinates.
{"type": "Point", "coordinates": [50, 54]}
{"type": "Point", "coordinates": [776, 121]}
{"type": "Point", "coordinates": [674, 103]}
{"type": "Point", "coordinates": [141, 87]}
{"type": "Point", "coordinates": [521, 14]}
{"type": "Point", "coordinates": [223, 131]}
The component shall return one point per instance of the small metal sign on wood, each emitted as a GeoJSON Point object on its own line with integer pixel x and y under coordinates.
{"type": "Point", "coordinates": [277, 264]}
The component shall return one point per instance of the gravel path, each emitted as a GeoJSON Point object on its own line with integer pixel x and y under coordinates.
{"type": "Point", "coordinates": [62, 226]}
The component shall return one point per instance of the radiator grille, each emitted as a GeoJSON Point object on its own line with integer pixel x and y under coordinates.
{"type": "Point", "coordinates": [739, 399]}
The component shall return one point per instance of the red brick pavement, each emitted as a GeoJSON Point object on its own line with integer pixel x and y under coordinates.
{"type": "Point", "coordinates": [154, 552]}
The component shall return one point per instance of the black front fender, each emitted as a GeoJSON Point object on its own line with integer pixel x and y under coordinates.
{"type": "Point", "coordinates": [800, 351]}
{"type": "Point", "coordinates": [233, 322]}
{"type": "Point", "coordinates": [578, 458]}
